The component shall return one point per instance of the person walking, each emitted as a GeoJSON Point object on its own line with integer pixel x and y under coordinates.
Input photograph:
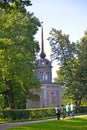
{"type": "Point", "coordinates": [68, 109]}
{"type": "Point", "coordinates": [72, 110]}
{"type": "Point", "coordinates": [62, 111]}
{"type": "Point", "coordinates": [57, 109]}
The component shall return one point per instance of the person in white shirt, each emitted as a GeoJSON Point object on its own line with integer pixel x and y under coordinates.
{"type": "Point", "coordinates": [72, 110]}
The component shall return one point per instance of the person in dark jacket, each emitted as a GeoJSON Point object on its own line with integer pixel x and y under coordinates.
{"type": "Point", "coordinates": [62, 111]}
{"type": "Point", "coordinates": [57, 109]}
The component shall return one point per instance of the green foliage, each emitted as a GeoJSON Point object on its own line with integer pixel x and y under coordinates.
{"type": "Point", "coordinates": [41, 113]}
{"type": "Point", "coordinates": [31, 114]}
{"type": "Point", "coordinates": [20, 4]}
{"type": "Point", "coordinates": [81, 109]}
{"type": "Point", "coordinates": [18, 50]}
{"type": "Point", "coordinates": [34, 114]}
{"type": "Point", "coordinates": [66, 100]}
{"type": "Point", "coordinates": [71, 58]}
{"type": "Point", "coordinates": [82, 56]}
{"type": "Point", "coordinates": [1, 101]}
{"type": "Point", "coordinates": [62, 49]}
{"type": "Point", "coordinates": [16, 114]}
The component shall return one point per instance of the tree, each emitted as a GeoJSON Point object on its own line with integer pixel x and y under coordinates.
{"type": "Point", "coordinates": [82, 57]}
{"type": "Point", "coordinates": [18, 50]}
{"type": "Point", "coordinates": [20, 4]}
{"type": "Point", "coordinates": [65, 53]}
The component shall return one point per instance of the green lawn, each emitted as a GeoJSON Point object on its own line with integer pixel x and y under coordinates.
{"type": "Point", "coordinates": [66, 124]}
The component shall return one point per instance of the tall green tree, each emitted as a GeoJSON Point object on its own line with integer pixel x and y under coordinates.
{"type": "Point", "coordinates": [65, 53]}
{"type": "Point", "coordinates": [18, 50]}
{"type": "Point", "coordinates": [82, 57]}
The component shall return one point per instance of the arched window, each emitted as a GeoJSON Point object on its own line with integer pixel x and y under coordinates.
{"type": "Point", "coordinates": [47, 76]}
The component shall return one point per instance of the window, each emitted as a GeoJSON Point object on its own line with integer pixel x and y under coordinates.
{"type": "Point", "coordinates": [47, 76]}
{"type": "Point", "coordinates": [41, 76]}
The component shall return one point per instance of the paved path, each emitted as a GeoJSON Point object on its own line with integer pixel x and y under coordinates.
{"type": "Point", "coordinates": [9, 125]}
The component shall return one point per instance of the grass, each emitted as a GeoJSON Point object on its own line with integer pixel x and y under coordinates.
{"type": "Point", "coordinates": [67, 124]}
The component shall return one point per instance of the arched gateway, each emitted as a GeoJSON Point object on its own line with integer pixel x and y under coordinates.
{"type": "Point", "coordinates": [49, 94]}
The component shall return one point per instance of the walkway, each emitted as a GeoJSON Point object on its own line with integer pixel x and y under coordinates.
{"type": "Point", "coordinates": [9, 125]}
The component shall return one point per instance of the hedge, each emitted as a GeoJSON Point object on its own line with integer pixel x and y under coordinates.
{"type": "Point", "coordinates": [81, 109]}
{"type": "Point", "coordinates": [31, 114]}
{"type": "Point", "coordinates": [16, 114]}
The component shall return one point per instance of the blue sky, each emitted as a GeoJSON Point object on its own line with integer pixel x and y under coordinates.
{"type": "Point", "coordinates": [70, 16]}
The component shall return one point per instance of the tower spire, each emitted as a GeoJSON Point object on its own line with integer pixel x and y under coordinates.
{"type": "Point", "coordinates": [42, 55]}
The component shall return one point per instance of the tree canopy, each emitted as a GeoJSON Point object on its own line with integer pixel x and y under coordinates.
{"type": "Point", "coordinates": [71, 58]}
{"type": "Point", "coordinates": [18, 50]}
{"type": "Point", "coordinates": [82, 57]}
{"type": "Point", "coordinates": [20, 4]}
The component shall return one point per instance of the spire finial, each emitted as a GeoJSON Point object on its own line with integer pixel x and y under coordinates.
{"type": "Point", "coordinates": [42, 55]}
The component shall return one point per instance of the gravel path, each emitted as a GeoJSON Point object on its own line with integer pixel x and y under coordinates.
{"type": "Point", "coordinates": [9, 125]}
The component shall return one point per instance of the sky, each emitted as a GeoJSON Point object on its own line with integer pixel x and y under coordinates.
{"type": "Point", "coordinates": [70, 16]}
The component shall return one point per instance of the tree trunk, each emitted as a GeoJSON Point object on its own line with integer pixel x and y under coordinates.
{"type": "Point", "coordinates": [10, 95]}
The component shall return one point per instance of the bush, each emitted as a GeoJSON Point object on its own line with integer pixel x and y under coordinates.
{"type": "Point", "coordinates": [41, 113]}
{"type": "Point", "coordinates": [15, 114]}
{"type": "Point", "coordinates": [81, 109]}
{"type": "Point", "coordinates": [31, 114]}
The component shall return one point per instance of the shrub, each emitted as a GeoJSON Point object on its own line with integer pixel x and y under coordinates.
{"type": "Point", "coordinates": [81, 109]}
{"type": "Point", "coordinates": [38, 113]}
